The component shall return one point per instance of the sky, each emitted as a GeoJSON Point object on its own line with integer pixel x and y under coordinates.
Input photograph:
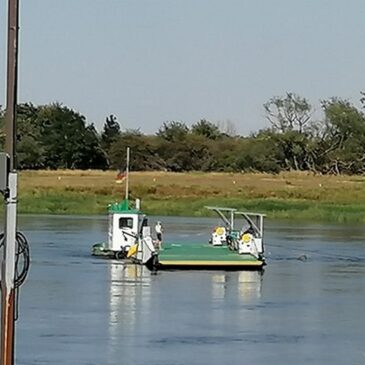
{"type": "Point", "coordinates": [152, 61]}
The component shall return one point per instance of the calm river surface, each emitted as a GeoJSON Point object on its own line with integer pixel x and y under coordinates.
{"type": "Point", "coordinates": [77, 309]}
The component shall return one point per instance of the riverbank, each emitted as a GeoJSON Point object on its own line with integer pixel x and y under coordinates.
{"type": "Point", "coordinates": [296, 196]}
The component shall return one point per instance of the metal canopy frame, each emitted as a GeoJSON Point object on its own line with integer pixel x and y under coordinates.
{"type": "Point", "coordinates": [223, 213]}
{"type": "Point", "coordinates": [255, 220]}
{"type": "Point", "coordinates": [257, 224]}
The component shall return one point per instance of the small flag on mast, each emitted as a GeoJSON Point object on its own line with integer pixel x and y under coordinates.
{"type": "Point", "coordinates": [120, 177]}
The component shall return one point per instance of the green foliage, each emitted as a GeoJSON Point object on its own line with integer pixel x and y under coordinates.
{"type": "Point", "coordinates": [288, 113]}
{"type": "Point", "coordinates": [345, 137]}
{"type": "Point", "coordinates": [143, 156]}
{"type": "Point", "coordinates": [206, 129]}
{"type": "Point", "coordinates": [260, 154]}
{"type": "Point", "coordinates": [173, 131]}
{"type": "Point", "coordinates": [67, 141]}
{"type": "Point", "coordinates": [111, 132]}
{"type": "Point", "coordinates": [30, 150]}
{"type": "Point", "coordinates": [55, 136]}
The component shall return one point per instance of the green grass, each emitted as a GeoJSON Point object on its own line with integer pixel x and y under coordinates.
{"type": "Point", "coordinates": [274, 209]}
{"type": "Point", "coordinates": [294, 196]}
{"type": "Point", "coordinates": [85, 204]}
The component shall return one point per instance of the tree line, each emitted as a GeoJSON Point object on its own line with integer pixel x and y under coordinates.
{"type": "Point", "coordinates": [56, 137]}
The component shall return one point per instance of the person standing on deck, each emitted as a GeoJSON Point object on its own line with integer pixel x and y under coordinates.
{"type": "Point", "coordinates": [159, 231]}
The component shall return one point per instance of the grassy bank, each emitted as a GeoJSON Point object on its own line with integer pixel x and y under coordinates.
{"type": "Point", "coordinates": [286, 196]}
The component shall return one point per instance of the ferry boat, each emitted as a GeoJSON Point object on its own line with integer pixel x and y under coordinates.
{"type": "Point", "coordinates": [229, 247]}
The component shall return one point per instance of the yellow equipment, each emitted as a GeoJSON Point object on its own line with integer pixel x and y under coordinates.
{"type": "Point", "coordinates": [132, 251]}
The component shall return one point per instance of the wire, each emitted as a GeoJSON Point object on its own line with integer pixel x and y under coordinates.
{"type": "Point", "coordinates": [22, 258]}
{"type": "Point", "coordinates": [22, 262]}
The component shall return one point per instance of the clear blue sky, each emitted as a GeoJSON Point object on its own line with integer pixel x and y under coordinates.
{"type": "Point", "coordinates": [150, 61]}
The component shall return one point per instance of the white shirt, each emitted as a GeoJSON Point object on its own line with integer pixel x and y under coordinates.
{"type": "Point", "coordinates": [158, 228]}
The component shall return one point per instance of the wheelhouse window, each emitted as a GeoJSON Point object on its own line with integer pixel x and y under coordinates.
{"type": "Point", "coordinates": [125, 222]}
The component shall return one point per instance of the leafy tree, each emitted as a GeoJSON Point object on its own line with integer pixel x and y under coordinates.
{"type": "Point", "coordinates": [176, 155]}
{"type": "Point", "coordinates": [67, 141]}
{"type": "Point", "coordinates": [288, 113]}
{"type": "Point", "coordinates": [344, 137]}
{"type": "Point", "coordinates": [173, 131]}
{"type": "Point", "coordinates": [225, 154]}
{"type": "Point", "coordinates": [90, 154]}
{"type": "Point", "coordinates": [111, 132]}
{"type": "Point", "coordinates": [143, 152]}
{"type": "Point", "coordinates": [292, 146]}
{"type": "Point", "coordinates": [290, 117]}
{"type": "Point", "coordinates": [30, 151]}
{"type": "Point", "coordinates": [206, 129]}
{"type": "Point", "coordinates": [259, 153]}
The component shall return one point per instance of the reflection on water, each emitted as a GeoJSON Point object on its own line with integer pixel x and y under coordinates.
{"type": "Point", "coordinates": [219, 286]}
{"type": "Point", "coordinates": [172, 308]}
{"type": "Point", "coordinates": [76, 309]}
{"type": "Point", "coordinates": [126, 284]}
{"type": "Point", "coordinates": [247, 283]}
{"type": "Point", "coordinates": [129, 287]}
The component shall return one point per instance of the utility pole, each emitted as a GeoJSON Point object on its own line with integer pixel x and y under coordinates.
{"type": "Point", "coordinates": [9, 250]}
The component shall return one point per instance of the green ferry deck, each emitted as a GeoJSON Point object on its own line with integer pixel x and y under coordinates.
{"type": "Point", "coordinates": [205, 256]}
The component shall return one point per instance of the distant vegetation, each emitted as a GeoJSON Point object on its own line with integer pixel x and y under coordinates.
{"type": "Point", "coordinates": [56, 137]}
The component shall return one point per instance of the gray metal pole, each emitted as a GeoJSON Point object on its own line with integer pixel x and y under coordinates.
{"type": "Point", "coordinates": [8, 260]}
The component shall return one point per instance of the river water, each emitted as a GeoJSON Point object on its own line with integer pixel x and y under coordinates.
{"type": "Point", "coordinates": [77, 309]}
